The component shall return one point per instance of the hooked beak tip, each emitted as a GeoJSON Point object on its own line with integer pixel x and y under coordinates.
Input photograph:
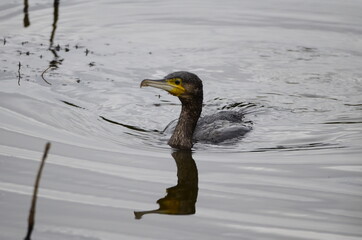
{"type": "Point", "coordinates": [144, 83]}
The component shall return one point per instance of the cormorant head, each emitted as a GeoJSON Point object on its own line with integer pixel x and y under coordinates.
{"type": "Point", "coordinates": [184, 85]}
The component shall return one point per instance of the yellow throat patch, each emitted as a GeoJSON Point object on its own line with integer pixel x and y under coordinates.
{"type": "Point", "coordinates": [177, 89]}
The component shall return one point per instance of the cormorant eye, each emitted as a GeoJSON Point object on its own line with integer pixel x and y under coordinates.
{"type": "Point", "coordinates": [177, 82]}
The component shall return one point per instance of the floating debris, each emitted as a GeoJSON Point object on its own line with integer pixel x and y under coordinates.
{"type": "Point", "coordinates": [57, 48]}
{"type": "Point", "coordinates": [42, 75]}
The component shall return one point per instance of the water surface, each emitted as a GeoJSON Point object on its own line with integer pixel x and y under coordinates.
{"type": "Point", "coordinates": [70, 74]}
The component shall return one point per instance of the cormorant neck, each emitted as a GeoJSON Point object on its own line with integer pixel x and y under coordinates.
{"type": "Point", "coordinates": [184, 131]}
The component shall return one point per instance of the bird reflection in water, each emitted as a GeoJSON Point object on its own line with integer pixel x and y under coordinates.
{"type": "Point", "coordinates": [180, 199]}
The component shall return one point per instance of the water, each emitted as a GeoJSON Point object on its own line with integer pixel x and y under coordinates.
{"type": "Point", "coordinates": [294, 66]}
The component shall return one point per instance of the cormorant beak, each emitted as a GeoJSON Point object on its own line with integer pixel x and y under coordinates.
{"type": "Point", "coordinates": [164, 84]}
{"type": "Point", "coordinates": [161, 83]}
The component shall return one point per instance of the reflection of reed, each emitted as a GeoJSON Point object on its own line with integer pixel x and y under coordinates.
{"type": "Point", "coordinates": [56, 61]}
{"type": "Point", "coordinates": [26, 14]}
{"type": "Point", "coordinates": [180, 199]}
{"type": "Point", "coordinates": [19, 74]}
{"type": "Point", "coordinates": [54, 25]}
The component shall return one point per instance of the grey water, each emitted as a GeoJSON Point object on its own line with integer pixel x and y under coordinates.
{"type": "Point", "coordinates": [70, 74]}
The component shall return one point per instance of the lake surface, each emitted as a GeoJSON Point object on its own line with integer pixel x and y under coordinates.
{"type": "Point", "coordinates": [70, 75]}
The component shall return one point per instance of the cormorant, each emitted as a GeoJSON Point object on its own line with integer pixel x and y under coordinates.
{"type": "Point", "coordinates": [214, 128]}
